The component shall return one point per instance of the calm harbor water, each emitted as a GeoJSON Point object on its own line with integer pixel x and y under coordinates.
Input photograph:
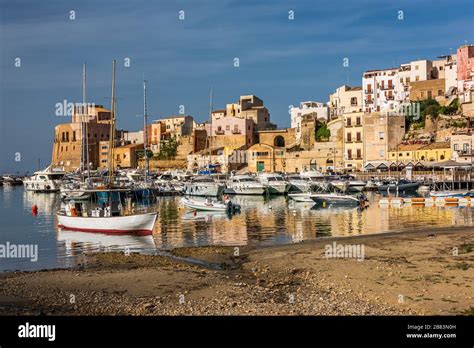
{"type": "Point", "coordinates": [262, 221]}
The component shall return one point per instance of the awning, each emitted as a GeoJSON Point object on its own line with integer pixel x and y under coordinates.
{"type": "Point", "coordinates": [450, 164]}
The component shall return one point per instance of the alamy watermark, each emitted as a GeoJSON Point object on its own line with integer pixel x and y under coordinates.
{"type": "Point", "coordinates": [66, 108]}
{"type": "Point", "coordinates": [343, 251]}
{"type": "Point", "coordinates": [19, 251]}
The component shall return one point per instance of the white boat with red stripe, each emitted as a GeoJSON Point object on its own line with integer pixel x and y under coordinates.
{"type": "Point", "coordinates": [138, 224]}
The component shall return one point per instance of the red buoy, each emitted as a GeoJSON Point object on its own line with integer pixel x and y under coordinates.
{"type": "Point", "coordinates": [34, 210]}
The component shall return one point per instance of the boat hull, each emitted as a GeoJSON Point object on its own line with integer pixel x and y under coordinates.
{"type": "Point", "coordinates": [141, 224]}
{"type": "Point", "coordinates": [334, 199]}
{"type": "Point", "coordinates": [245, 190]}
{"type": "Point", "coordinates": [196, 205]}
{"type": "Point", "coordinates": [301, 197]}
{"type": "Point", "coordinates": [399, 188]}
{"type": "Point", "coordinates": [203, 190]}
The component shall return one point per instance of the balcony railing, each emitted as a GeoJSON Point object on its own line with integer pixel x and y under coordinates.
{"type": "Point", "coordinates": [367, 91]}
{"type": "Point", "coordinates": [369, 101]}
{"type": "Point", "coordinates": [219, 132]}
{"type": "Point", "coordinates": [236, 131]}
{"type": "Point", "coordinates": [390, 97]}
{"type": "Point", "coordinates": [358, 125]}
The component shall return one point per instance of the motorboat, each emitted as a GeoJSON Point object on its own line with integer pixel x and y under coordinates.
{"type": "Point", "coordinates": [210, 205]}
{"type": "Point", "coordinates": [299, 184]}
{"type": "Point", "coordinates": [398, 186]}
{"type": "Point", "coordinates": [338, 198]}
{"type": "Point", "coordinates": [11, 180]}
{"type": "Point", "coordinates": [450, 194]}
{"type": "Point", "coordinates": [301, 197]}
{"type": "Point", "coordinates": [74, 194]}
{"type": "Point", "coordinates": [316, 179]}
{"type": "Point", "coordinates": [350, 185]}
{"type": "Point", "coordinates": [275, 183]}
{"type": "Point", "coordinates": [46, 181]}
{"type": "Point", "coordinates": [203, 185]}
{"type": "Point", "coordinates": [72, 218]}
{"type": "Point", "coordinates": [244, 185]}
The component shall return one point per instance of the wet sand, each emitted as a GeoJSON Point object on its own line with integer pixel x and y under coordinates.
{"type": "Point", "coordinates": [416, 273]}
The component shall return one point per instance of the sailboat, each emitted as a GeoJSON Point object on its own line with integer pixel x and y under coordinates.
{"type": "Point", "coordinates": [108, 218]}
{"type": "Point", "coordinates": [74, 190]}
{"type": "Point", "coordinates": [205, 185]}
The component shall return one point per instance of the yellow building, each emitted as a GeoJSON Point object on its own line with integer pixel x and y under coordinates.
{"type": "Point", "coordinates": [94, 125]}
{"type": "Point", "coordinates": [435, 152]}
{"type": "Point", "coordinates": [353, 141]}
{"type": "Point", "coordinates": [404, 153]}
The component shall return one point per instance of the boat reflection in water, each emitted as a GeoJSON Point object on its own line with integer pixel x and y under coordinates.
{"type": "Point", "coordinates": [78, 243]}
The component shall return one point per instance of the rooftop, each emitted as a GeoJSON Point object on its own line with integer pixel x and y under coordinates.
{"type": "Point", "coordinates": [437, 145]}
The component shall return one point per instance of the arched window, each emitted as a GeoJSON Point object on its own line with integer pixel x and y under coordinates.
{"type": "Point", "coordinates": [313, 165]}
{"type": "Point", "coordinates": [279, 141]}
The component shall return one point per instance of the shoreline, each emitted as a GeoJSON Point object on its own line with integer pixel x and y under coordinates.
{"type": "Point", "coordinates": [402, 273]}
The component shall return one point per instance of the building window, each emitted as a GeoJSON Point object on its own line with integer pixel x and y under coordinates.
{"type": "Point", "coordinates": [382, 153]}
{"type": "Point", "coordinates": [358, 121]}
{"type": "Point", "coordinates": [359, 153]}
{"type": "Point", "coordinates": [74, 136]}
{"type": "Point", "coordinates": [416, 67]}
{"type": "Point", "coordinates": [349, 137]}
{"type": "Point", "coordinates": [440, 93]}
{"type": "Point", "coordinates": [381, 135]}
{"type": "Point", "coordinates": [354, 101]}
{"type": "Point", "coordinates": [456, 147]}
{"type": "Point", "coordinates": [358, 136]}
{"type": "Point", "coordinates": [417, 78]}
{"type": "Point", "coordinates": [349, 121]}
{"type": "Point", "coordinates": [227, 127]}
{"type": "Point", "coordinates": [349, 154]}
{"type": "Point", "coordinates": [465, 147]}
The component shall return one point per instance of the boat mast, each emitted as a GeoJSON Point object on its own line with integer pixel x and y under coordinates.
{"type": "Point", "coordinates": [145, 131]}
{"type": "Point", "coordinates": [112, 128]}
{"type": "Point", "coordinates": [210, 131]}
{"type": "Point", "coordinates": [85, 112]}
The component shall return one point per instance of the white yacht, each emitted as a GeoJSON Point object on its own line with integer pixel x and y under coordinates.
{"type": "Point", "coordinates": [315, 178]}
{"type": "Point", "coordinates": [299, 184]}
{"type": "Point", "coordinates": [275, 183]}
{"type": "Point", "coordinates": [244, 185]}
{"type": "Point", "coordinates": [48, 180]}
{"type": "Point", "coordinates": [350, 185]}
{"type": "Point", "coordinates": [203, 185]}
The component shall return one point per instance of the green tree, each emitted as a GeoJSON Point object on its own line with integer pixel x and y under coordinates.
{"type": "Point", "coordinates": [168, 149]}
{"type": "Point", "coordinates": [322, 132]}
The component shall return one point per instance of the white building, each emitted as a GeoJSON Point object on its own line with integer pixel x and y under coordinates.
{"type": "Point", "coordinates": [386, 89]}
{"type": "Point", "coordinates": [446, 68]}
{"type": "Point", "coordinates": [320, 110]}
{"type": "Point", "coordinates": [345, 99]}
{"type": "Point", "coordinates": [382, 89]}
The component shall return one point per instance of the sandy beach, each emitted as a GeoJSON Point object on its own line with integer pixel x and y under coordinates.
{"type": "Point", "coordinates": [428, 272]}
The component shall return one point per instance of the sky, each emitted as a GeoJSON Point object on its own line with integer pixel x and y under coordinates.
{"type": "Point", "coordinates": [281, 60]}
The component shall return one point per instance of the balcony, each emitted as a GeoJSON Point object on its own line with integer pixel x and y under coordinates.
{"type": "Point", "coordinates": [358, 125]}
{"type": "Point", "coordinates": [390, 97]}
{"type": "Point", "coordinates": [236, 131]}
{"type": "Point", "coordinates": [369, 101]}
{"type": "Point", "coordinates": [367, 91]}
{"type": "Point", "coordinates": [349, 141]}
{"type": "Point", "coordinates": [386, 88]}
{"type": "Point", "coordinates": [347, 125]}
{"type": "Point", "coordinates": [219, 132]}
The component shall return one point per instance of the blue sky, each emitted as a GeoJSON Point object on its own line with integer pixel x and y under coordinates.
{"type": "Point", "coordinates": [282, 61]}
